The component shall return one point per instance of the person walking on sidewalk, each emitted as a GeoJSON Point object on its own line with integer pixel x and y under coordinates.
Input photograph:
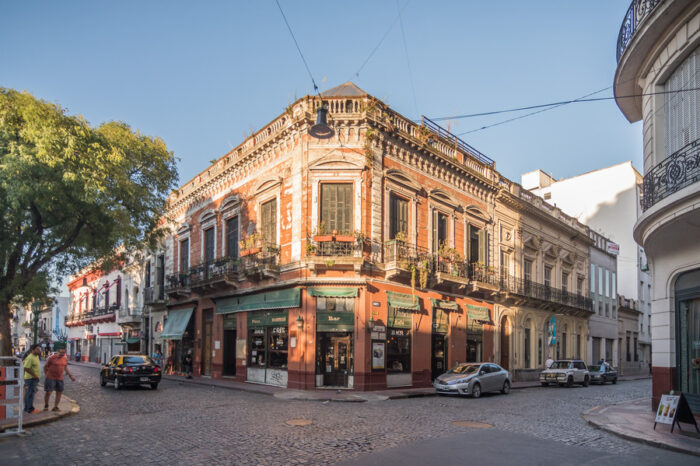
{"type": "Point", "coordinates": [54, 368]}
{"type": "Point", "coordinates": [187, 362]}
{"type": "Point", "coordinates": [32, 374]}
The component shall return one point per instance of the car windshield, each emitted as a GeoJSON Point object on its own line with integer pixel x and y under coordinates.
{"type": "Point", "coordinates": [560, 365]}
{"type": "Point", "coordinates": [594, 368]}
{"type": "Point", "coordinates": [133, 360]}
{"type": "Point", "coordinates": [464, 369]}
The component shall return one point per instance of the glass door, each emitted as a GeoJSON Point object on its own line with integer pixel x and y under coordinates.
{"type": "Point", "coordinates": [336, 359]}
{"type": "Point", "coordinates": [439, 355]}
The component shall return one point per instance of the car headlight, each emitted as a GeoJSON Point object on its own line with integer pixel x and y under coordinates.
{"type": "Point", "coordinates": [455, 382]}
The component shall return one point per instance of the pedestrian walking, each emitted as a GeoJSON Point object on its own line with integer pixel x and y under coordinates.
{"type": "Point", "coordinates": [32, 374]}
{"type": "Point", "coordinates": [187, 362]}
{"type": "Point", "coordinates": [158, 357]}
{"type": "Point", "coordinates": [54, 368]}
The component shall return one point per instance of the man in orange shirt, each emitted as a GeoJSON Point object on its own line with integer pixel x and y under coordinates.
{"type": "Point", "coordinates": [54, 368]}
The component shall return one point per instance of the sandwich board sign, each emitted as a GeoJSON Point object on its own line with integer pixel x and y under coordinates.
{"type": "Point", "coordinates": [674, 409]}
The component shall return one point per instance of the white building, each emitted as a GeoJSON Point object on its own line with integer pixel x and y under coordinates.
{"type": "Point", "coordinates": [658, 52]}
{"type": "Point", "coordinates": [607, 200]}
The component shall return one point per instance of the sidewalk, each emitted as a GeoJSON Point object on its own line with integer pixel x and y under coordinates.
{"type": "Point", "coordinates": [319, 394]}
{"type": "Point", "coordinates": [67, 406]}
{"type": "Point", "coordinates": [634, 420]}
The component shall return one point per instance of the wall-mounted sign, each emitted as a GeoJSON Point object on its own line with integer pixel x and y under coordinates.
{"type": "Point", "coordinates": [378, 355]}
{"type": "Point", "coordinates": [613, 248]}
{"type": "Point", "coordinates": [376, 304]}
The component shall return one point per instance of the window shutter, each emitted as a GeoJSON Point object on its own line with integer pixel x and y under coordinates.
{"type": "Point", "coordinates": [436, 240]}
{"type": "Point", "coordinates": [482, 235]}
{"type": "Point", "coordinates": [468, 247]}
{"type": "Point", "coordinates": [403, 216]}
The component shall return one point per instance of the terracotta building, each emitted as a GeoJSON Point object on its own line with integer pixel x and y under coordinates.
{"type": "Point", "coordinates": [377, 257]}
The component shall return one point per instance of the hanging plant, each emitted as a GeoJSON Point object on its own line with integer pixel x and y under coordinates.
{"type": "Point", "coordinates": [413, 279]}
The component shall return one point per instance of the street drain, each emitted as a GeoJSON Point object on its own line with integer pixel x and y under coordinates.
{"type": "Point", "coordinates": [472, 424]}
{"type": "Point", "coordinates": [299, 422]}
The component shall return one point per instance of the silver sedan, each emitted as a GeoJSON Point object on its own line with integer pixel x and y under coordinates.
{"type": "Point", "coordinates": [473, 379]}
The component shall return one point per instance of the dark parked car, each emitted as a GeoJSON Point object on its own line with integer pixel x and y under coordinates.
{"type": "Point", "coordinates": [603, 373]}
{"type": "Point", "coordinates": [130, 369]}
{"type": "Point", "coordinates": [473, 379]}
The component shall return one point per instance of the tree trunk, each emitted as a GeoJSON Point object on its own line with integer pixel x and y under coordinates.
{"type": "Point", "coordinates": [5, 331]}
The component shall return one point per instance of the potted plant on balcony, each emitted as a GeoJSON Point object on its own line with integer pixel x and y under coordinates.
{"type": "Point", "coordinates": [321, 234]}
{"type": "Point", "coordinates": [251, 244]}
{"type": "Point", "coordinates": [343, 237]}
{"type": "Point", "coordinates": [310, 247]}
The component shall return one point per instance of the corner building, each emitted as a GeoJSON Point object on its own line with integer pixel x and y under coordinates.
{"type": "Point", "coordinates": [376, 258]}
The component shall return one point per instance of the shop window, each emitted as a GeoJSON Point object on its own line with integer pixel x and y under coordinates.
{"type": "Point", "coordinates": [257, 356]}
{"type": "Point", "coordinates": [184, 255]}
{"type": "Point", "coordinates": [398, 217]}
{"type": "Point", "coordinates": [278, 339]}
{"type": "Point", "coordinates": [398, 350]}
{"type": "Point", "coordinates": [269, 221]}
{"type": "Point", "coordinates": [232, 237]}
{"type": "Point", "coordinates": [687, 334]}
{"type": "Point", "coordinates": [439, 230]}
{"type": "Point", "coordinates": [336, 207]}
{"type": "Point", "coordinates": [209, 245]}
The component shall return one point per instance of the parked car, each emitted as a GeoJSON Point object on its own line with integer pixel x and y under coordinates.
{"type": "Point", "coordinates": [130, 369]}
{"type": "Point", "coordinates": [603, 373]}
{"type": "Point", "coordinates": [566, 372]}
{"type": "Point", "coordinates": [473, 379]}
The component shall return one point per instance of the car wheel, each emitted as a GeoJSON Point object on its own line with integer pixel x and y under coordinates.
{"type": "Point", "coordinates": [154, 386]}
{"type": "Point", "coordinates": [570, 381]}
{"type": "Point", "coordinates": [117, 385]}
{"type": "Point", "coordinates": [476, 391]}
{"type": "Point", "coordinates": [103, 382]}
{"type": "Point", "coordinates": [506, 388]}
{"type": "Point", "coordinates": [545, 384]}
{"type": "Point", "coordinates": [585, 381]}
{"type": "Point", "coordinates": [614, 381]}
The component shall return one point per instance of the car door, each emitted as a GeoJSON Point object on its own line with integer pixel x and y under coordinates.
{"type": "Point", "coordinates": [580, 371]}
{"type": "Point", "coordinates": [484, 380]}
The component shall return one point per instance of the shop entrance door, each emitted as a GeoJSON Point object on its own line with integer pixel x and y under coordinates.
{"type": "Point", "coordinates": [229, 352]}
{"type": "Point", "coordinates": [336, 359]}
{"type": "Point", "coordinates": [439, 352]}
{"type": "Point", "coordinates": [206, 342]}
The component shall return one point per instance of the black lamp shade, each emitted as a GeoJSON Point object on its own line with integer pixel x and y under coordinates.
{"type": "Point", "coordinates": [321, 130]}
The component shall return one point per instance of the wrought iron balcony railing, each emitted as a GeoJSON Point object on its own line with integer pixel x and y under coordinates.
{"type": "Point", "coordinates": [337, 248]}
{"type": "Point", "coordinates": [677, 171]}
{"type": "Point", "coordinates": [637, 13]}
{"type": "Point", "coordinates": [219, 270]}
{"type": "Point", "coordinates": [154, 294]}
{"type": "Point", "coordinates": [543, 292]}
{"type": "Point", "coordinates": [405, 255]}
{"type": "Point", "coordinates": [177, 281]}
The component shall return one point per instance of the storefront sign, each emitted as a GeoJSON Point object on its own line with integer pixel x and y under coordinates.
{"type": "Point", "coordinates": [613, 249]}
{"type": "Point", "coordinates": [335, 321]}
{"type": "Point", "coordinates": [478, 313]}
{"type": "Point", "coordinates": [399, 332]}
{"type": "Point", "coordinates": [378, 355]}
{"type": "Point", "coordinates": [268, 319]}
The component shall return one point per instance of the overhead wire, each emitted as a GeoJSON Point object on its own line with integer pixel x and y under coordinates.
{"type": "Point", "coordinates": [297, 46]}
{"type": "Point", "coordinates": [408, 61]}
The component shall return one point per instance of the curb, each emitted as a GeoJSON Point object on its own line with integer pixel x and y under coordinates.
{"type": "Point", "coordinates": [75, 409]}
{"type": "Point", "coordinates": [618, 433]}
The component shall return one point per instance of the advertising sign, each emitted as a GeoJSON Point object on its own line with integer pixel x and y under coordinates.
{"type": "Point", "coordinates": [667, 409]}
{"type": "Point", "coordinates": [613, 249]}
{"type": "Point", "coordinates": [378, 355]}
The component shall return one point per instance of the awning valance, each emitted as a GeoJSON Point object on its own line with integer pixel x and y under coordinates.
{"type": "Point", "coordinates": [442, 304]}
{"type": "Point", "coordinates": [403, 301]}
{"type": "Point", "coordinates": [478, 313]}
{"type": "Point", "coordinates": [131, 341]}
{"type": "Point", "coordinates": [176, 324]}
{"type": "Point", "coordinates": [335, 321]}
{"type": "Point", "coordinates": [332, 291]}
{"type": "Point", "coordinates": [268, 319]}
{"type": "Point", "coordinates": [280, 299]}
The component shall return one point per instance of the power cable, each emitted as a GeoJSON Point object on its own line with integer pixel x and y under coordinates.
{"type": "Point", "coordinates": [297, 45]}
{"type": "Point", "coordinates": [408, 62]}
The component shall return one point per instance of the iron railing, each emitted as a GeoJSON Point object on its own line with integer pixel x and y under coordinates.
{"type": "Point", "coordinates": [268, 257]}
{"type": "Point", "coordinates": [407, 255]}
{"type": "Point", "coordinates": [154, 294]}
{"type": "Point", "coordinates": [530, 289]}
{"type": "Point", "coordinates": [454, 268]}
{"type": "Point", "coordinates": [177, 281]}
{"type": "Point", "coordinates": [456, 141]}
{"type": "Point", "coordinates": [675, 172]}
{"type": "Point", "coordinates": [637, 13]}
{"type": "Point", "coordinates": [338, 248]}
{"type": "Point", "coordinates": [209, 272]}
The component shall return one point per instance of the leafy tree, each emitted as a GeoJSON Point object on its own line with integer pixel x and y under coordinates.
{"type": "Point", "coordinates": [71, 195]}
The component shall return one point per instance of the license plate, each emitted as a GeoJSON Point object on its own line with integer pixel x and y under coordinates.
{"type": "Point", "coordinates": [144, 379]}
{"type": "Point", "coordinates": [551, 376]}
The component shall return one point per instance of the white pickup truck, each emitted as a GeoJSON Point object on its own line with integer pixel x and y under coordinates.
{"type": "Point", "coordinates": [566, 372]}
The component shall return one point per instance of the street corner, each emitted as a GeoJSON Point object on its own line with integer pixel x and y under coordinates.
{"type": "Point", "coordinates": [634, 420]}
{"type": "Point", "coordinates": [67, 406]}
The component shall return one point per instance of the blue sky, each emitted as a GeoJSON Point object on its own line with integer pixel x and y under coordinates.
{"type": "Point", "coordinates": [200, 75]}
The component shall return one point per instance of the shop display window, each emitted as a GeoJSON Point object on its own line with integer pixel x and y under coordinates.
{"type": "Point", "coordinates": [278, 338]}
{"type": "Point", "coordinates": [256, 355]}
{"type": "Point", "coordinates": [398, 351]}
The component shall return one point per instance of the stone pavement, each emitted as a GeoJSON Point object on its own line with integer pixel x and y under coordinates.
{"type": "Point", "coordinates": [634, 420]}
{"type": "Point", "coordinates": [67, 406]}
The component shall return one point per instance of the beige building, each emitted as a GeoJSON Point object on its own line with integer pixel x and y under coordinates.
{"type": "Point", "coordinates": [658, 52]}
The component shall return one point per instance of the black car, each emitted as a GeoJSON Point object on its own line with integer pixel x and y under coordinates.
{"type": "Point", "coordinates": [130, 369]}
{"type": "Point", "coordinates": [603, 373]}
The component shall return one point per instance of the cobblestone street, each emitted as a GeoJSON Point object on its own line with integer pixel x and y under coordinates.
{"type": "Point", "coordinates": [191, 424]}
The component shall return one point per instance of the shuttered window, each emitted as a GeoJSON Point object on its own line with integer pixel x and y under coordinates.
{"type": "Point", "coordinates": [184, 255]}
{"type": "Point", "coordinates": [683, 108]}
{"type": "Point", "coordinates": [269, 221]}
{"type": "Point", "coordinates": [439, 230]}
{"type": "Point", "coordinates": [209, 245]}
{"type": "Point", "coordinates": [477, 245]}
{"type": "Point", "coordinates": [398, 214]}
{"type": "Point", "coordinates": [232, 237]}
{"type": "Point", "coordinates": [336, 207]}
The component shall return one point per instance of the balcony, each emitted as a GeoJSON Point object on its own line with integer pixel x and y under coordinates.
{"type": "Point", "coordinates": [677, 171]}
{"type": "Point", "coordinates": [484, 281]}
{"type": "Point", "coordinates": [210, 276]}
{"type": "Point", "coordinates": [154, 295]}
{"type": "Point", "coordinates": [261, 262]}
{"type": "Point", "coordinates": [130, 315]}
{"type": "Point", "coordinates": [404, 260]}
{"type": "Point", "coordinates": [335, 253]}
{"type": "Point", "coordinates": [451, 274]}
{"type": "Point", "coordinates": [519, 291]}
{"type": "Point", "coordinates": [177, 285]}
{"type": "Point", "coordinates": [637, 13]}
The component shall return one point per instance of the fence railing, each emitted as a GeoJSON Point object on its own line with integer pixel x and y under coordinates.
{"type": "Point", "coordinates": [543, 292]}
{"type": "Point", "coordinates": [637, 13]}
{"type": "Point", "coordinates": [675, 172]}
{"type": "Point", "coordinates": [337, 248]}
{"type": "Point", "coordinates": [208, 272]}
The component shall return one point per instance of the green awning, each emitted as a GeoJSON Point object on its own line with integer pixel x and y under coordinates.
{"type": "Point", "coordinates": [176, 324]}
{"type": "Point", "coordinates": [332, 291]}
{"type": "Point", "coordinates": [335, 321]}
{"type": "Point", "coordinates": [441, 320]}
{"type": "Point", "coordinates": [399, 318]}
{"type": "Point", "coordinates": [442, 304]}
{"type": "Point", "coordinates": [131, 341]}
{"type": "Point", "coordinates": [281, 299]}
{"type": "Point", "coordinates": [478, 313]}
{"type": "Point", "coordinates": [403, 301]}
